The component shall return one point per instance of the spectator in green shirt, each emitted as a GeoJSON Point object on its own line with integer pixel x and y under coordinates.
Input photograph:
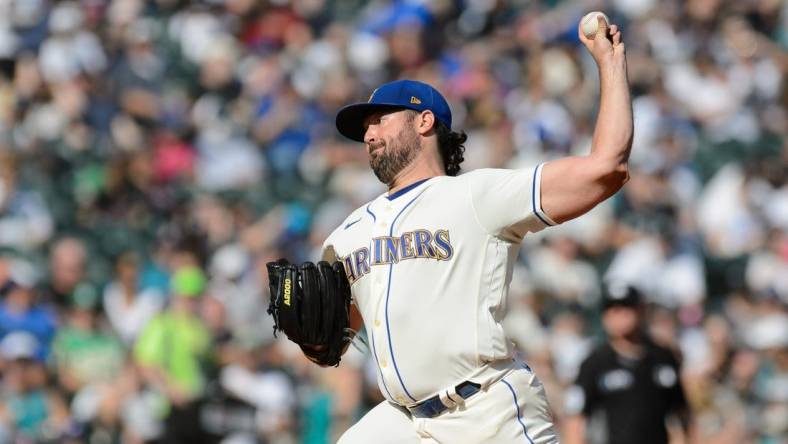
{"type": "Point", "coordinates": [172, 351]}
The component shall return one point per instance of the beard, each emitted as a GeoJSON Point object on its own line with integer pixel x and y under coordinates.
{"type": "Point", "coordinates": [392, 159]}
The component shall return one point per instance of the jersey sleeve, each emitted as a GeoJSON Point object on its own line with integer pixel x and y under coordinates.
{"type": "Point", "coordinates": [507, 203]}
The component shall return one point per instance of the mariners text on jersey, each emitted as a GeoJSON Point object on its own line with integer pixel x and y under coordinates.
{"type": "Point", "coordinates": [384, 250]}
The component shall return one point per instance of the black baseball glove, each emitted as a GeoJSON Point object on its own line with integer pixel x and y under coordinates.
{"type": "Point", "coordinates": [311, 303]}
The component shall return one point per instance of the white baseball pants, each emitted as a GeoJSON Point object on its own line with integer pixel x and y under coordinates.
{"type": "Point", "coordinates": [512, 410]}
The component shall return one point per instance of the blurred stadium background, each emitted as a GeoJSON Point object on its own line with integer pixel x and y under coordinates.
{"type": "Point", "coordinates": [155, 154]}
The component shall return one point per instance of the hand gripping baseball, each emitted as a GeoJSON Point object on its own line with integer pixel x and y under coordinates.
{"type": "Point", "coordinates": [310, 303]}
{"type": "Point", "coordinates": [606, 45]}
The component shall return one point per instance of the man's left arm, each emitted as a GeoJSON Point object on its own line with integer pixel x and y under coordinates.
{"type": "Point", "coordinates": [571, 186]}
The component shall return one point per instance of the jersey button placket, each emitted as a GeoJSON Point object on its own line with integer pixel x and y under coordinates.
{"type": "Point", "coordinates": [381, 229]}
{"type": "Point", "coordinates": [381, 334]}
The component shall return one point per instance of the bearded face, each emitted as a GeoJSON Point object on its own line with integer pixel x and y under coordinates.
{"type": "Point", "coordinates": [389, 157]}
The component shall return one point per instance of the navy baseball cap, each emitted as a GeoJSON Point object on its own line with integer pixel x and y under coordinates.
{"type": "Point", "coordinates": [407, 94]}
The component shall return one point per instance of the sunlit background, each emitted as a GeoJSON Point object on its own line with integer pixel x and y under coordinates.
{"type": "Point", "coordinates": [154, 155]}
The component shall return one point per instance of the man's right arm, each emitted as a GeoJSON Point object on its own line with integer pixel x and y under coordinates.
{"type": "Point", "coordinates": [571, 186]}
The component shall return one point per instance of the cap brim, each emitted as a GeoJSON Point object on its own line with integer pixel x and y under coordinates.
{"type": "Point", "coordinates": [350, 119]}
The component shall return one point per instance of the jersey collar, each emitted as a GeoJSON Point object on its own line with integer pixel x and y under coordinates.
{"type": "Point", "coordinates": [403, 191]}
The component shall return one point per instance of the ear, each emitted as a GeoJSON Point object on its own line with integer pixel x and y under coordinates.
{"type": "Point", "coordinates": [425, 122]}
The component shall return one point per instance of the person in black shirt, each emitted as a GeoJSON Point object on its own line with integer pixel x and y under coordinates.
{"type": "Point", "coordinates": [629, 383]}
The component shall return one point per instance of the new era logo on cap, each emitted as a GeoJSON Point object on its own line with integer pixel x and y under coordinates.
{"type": "Point", "coordinates": [406, 94]}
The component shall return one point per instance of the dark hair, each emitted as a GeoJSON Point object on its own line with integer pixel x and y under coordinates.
{"type": "Point", "coordinates": [450, 145]}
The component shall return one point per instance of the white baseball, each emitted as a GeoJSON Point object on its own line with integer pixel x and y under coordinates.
{"type": "Point", "coordinates": [590, 24]}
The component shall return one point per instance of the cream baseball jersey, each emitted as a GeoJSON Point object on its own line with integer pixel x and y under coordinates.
{"type": "Point", "coordinates": [429, 268]}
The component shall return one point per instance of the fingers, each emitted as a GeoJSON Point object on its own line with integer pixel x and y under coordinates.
{"type": "Point", "coordinates": [601, 30]}
{"type": "Point", "coordinates": [310, 298]}
{"type": "Point", "coordinates": [615, 34]}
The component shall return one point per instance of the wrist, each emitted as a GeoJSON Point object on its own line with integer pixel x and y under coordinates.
{"type": "Point", "coordinates": [611, 62]}
{"type": "Point", "coordinates": [612, 69]}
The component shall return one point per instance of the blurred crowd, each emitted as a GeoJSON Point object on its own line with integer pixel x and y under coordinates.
{"type": "Point", "coordinates": [154, 155]}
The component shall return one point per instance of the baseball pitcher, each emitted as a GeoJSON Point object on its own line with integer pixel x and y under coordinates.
{"type": "Point", "coordinates": [426, 266]}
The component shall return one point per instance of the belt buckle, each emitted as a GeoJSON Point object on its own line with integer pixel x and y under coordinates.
{"type": "Point", "coordinates": [474, 389]}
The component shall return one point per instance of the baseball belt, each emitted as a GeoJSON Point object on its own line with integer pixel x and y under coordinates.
{"type": "Point", "coordinates": [433, 407]}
